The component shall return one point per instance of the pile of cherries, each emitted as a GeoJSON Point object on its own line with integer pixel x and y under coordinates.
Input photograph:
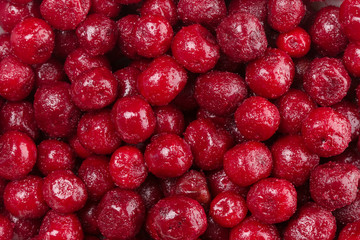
{"type": "Point", "coordinates": [179, 120]}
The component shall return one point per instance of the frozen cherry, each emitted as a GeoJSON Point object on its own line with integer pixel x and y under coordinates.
{"type": "Point", "coordinates": [251, 229]}
{"type": "Point", "coordinates": [214, 231]}
{"type": "Point", "coordinates": [164, 8]}
{"type": "Point", "coordinates": [94, 89]}
{"type": "Point", "coordinates": [16, 79]}
{"type": "Point", "coordinates": [126, 26]}
{"type": "Point", "coordinates": [176, 218]}
{"type": "Point", "coordinates": [88, 218]}
{"type": "Point", "coordinates": [153, 35]}
{"type": "Point", "coordinates": [24, 198]}
{"type": "Point", "coordinates": [296, 42]}
{"type": "Point", "coordinates": [220, 92]}
{"type": "Point", "coordinates": [257, 118]}
{"type": "Point", "coordinates": [24, 228]}
{"type": "Point", "coordinates": [150, 191]}
{"type": "Point", "coordinates": [208, 143]}
{"type": "Point", "coordinates": [55, 113]}
{"type": "Point", "coordinates": [241, 36]}
{"type": "Point", "coordinates": [326, 132]}
{"type": "Point", "coordinates": [79, 61]}
{"type": "Point", "coordinates": [134, 119]}
{"type": "Point", "coordinates": [65, 15]}
{"type": "Point", "coordinates": [169, 119]}
{"type": "Point", "coordinates": [334, 185]}
{"type": "Point", "coordinates": [127, 167]}
{"type": "Point", "coordinates": [228, 209]}
{"type": "Point", "coordinates": [65, 43]}
{"type": "Point", "coordinates": [127, 81]}
{"type": "Point", "coordinates": [6, 228]}
{"type": "Point", "coordinates": [78, 147]}
{"type": "Point", "coordinates": [195, 48]}
{"type": "Point", "coordinates": [60, 226]}
{"type": "Point", "coordinates": [18, 116]}
{"type": "Point", "coordinates": [5, 45]}
{"type": "Point", "coordinates": [285, 15]}
{"type": "Point", "coordinates": [17, 155]}
{"type": "Point", "coordinates": [350, 111]}
{"type": "Point", "coordinates": [351, 59]}
{"type": "Point", "coordinates": [208, 13]}
{"type": "Point", "coordinates": [272, 200]}
{"type": "Point", "coordinates": [97, 132]}
{"type": "Point", "coordinates": [271, 75]}
{"type": "Point", "coordinates": [54, 155]}
{"type": "Point", "coordinates": [349, 19]}
{"type": "Point", "coordinates": [219, 182]}
{"type": "Point", "coordinates": [97, 34]}
{"type": "Point", "coordinates": [326, 81]}
{"type": "Point", "coordinates": [168, 155]}
{"type": "Point", "coordinates": [185, 100]}
{"type": "Point", "coordinates": [94, 172]}
{"type": "Point", "coordinates": [257, 8]}
{"type": "Point", "coordinates": [349, 213]}
{"type": "Point", "coordinates": [350, 232]}
{"type": "Point", "coordinates": [162, 81]}
{"type": "Point", "coordinates": [294, 106]}
{"type": "Point", "coordinates": [120, 214]}
{"type": "Point", "coordinates": [108, 8]}
{"type": "Point", "coordinates": [64, 192]}
{"type": "Point", "coordinates": [247, 163]}
{"type": "Point", "coordinates": [326, 32]}
{"type": "Point", "coordinates": [48, 73]}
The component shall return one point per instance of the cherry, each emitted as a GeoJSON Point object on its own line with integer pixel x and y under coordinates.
{"type": "Point", "coordinates": [127, 81]}
{"type": "Point", "coordinates": [350, 111]}
{"type": "Point", "coordinates": [169, 119]}
{"type": "Point", "coordinates": [88, 218]}
{"type": "Point", "coordinates": [24, 228]}
{"type": "Point", "coordinates": [257, 8]}
{"type": "Point", "coordinates": [126, 26]}
{"type": "Point", "coordinates": [109, 8]}
{"type": "Point", "coordinates": [65, 43]}
{"type": "Point", "coordinates": [349, 14]}
{"type": "Point", "coordinates": [215, 232]}
{"type": "Point", "coordinates": [349, 213]}
{"type": "Point", "coordinates": [5, 45]}
{"type": "Point", "coordinates": [150, 191]}
{"type": "Point", "coordinates": [49, 72]}
{"type": "Point", "coordinates": [6, 228]}
{"type": "Point", "coordinates": [350, 231]}
{"type": "Point", "coordinates": [296, 42]}
{"type": "Point", "coordinates": [164, 8]}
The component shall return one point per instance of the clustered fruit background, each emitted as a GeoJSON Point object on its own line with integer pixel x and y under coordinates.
{"type": "Point", "coordinates": [179, 119]}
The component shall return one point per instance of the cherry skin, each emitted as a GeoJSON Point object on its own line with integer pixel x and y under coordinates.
{"type": "Point", "coordinates": [6, 228]}
{"type": "Point", "coordinates": [351, 59]}
{"type": "Point", "coordinates": [162, 81]}
{"type": "Point", "coordinates": [164, 8]}
{"type": "Point", "coordinates": [349, 19]}
{"type": "Point", "coordinates": [64, 192]}
{"type": "Point", "coordinates": [65, 43]}
{"type": "Point", "coordinates": [78, 147]}
{"type": "Point", "coordinates": [134, 119]}
{"type": "Point", "coordinates": [350, 111]}
{"type": "Point", "coordinates": [296, 43]}
{"type": "Point", "coordinates": [5, 45]}
{"type": "Point", "coordinates": [176, 218]}
{"type": "Point", "coordinates": [24, 228]}
{"type": "Point", "coordinates": [168, 155]}
{"type": "Point", "coordinates": [127, 81]}
{"type": "Point", "coordinates": [241, 44]}
{"type": "Point", "coordinates": [350, 232]}
{"type": "Point", "coordinates": [219, 182]}
{"type": "Point", "coordinates": [17, 155]}
{"type": "Point", "coordinates": [88, 218]}
{"type": "Point", "coordinates": [108, 8]}
{"type": "Point", "coordinates": [24, 198]}
{"type": "Point", "coordinates": [349, 213]}
{"type": "Point", "coordinates": [169, 119]}
{"type": "Point", "coordinates": [150, 191]}
{"type": "Point", "coordinates": [215, 232]}
{"type": "Point", "coordinates": [126, 26]}
{"type": "Point", "coordinates": [127, 167]}
{"type": "Point", "coordinates": [48, 73]}
{"type": "Point", "coordinates": [257, 8]}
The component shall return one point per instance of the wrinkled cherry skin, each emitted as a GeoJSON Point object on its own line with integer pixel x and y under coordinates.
{"type": "Point", "coordinates": [349, 19]}
{"type": "Point", "coordinates": [193, 185]}
{"type": "Point", "coordinates": [326, 81]}
{"type": "Point", "coordinates": [175, 218]}
{"type": "Point", "coordinates": [94, 89]}
{"type": "Point", "coordinates": [134, 119]}
{"type": "Point", "coordinates": [272, 200]}
{"type": "Point", "coordinates": [217, 96]}
{"type": "Point", "coordinates": [97, 34]}
{"type": "Point", "coordinates": [292, 160]}
{"type": "Point", "coordinates": [162, 81]}
{"type": "Point", "coordinates": [54, 155]}
{"type": "Point", "coordinates": [228, 209]}
{"type": "Point", "coordinates": [127, 81]}
{"type": "Point", "coordinates": [349, 213]}
{"type": "Point", "coordinates": [326, 32]}
{"type": "Point", "coordinates": [326, 132]}
{"type": "Point", "coordinates": [280, 72]}
{"type": "Point", "coordinates": [126, 26]}
{"type": "Point", "coordinates": [127, 167]}
{"type": "Point", "coordinates": [311, 222]}
{"type": "Point", "coordinates": [17, 155]}
{"type": "Point", "coordinates": [153, 35]}
{"type": "Point", "coordinates": [195, 48]}
{"type": "Point", "coordinates": [60, 226]}
{"type": "Point", "coordinates": [65, 15]}
{"type": "Point", "coordinates": [219, 182]}
{"type": "Point", "coordinates": [49, 72]}
{"type": "Point", "coordinates": [24, 228]}
{"type": "Point", "coordinates": [38, 47]}
{"type": "Point", "coordinates": [5, 46]}
{"type": "Point", "coordinates": [6, 228]}
{"type": "Point", "coordinates": [285, 15]}
{"type": "Point", "coordinates": [16, 79]}
{"type": "Point", "coordinates": [18, 116]}
{"type": "Point", "coordinates": [241, 37]}
{"type": "Point", "coordinates": [168, 155]}
{"type": "Point", "coordinates": [257, 118]}
{"type": "Point", "coordinates": [251, 228]}
{"type": "Point", "coordinates": [334, 185]}
{"type": "Point", "coordinates": [351, 59]}
{"type": "Point", "coordinates": [150, 191]}
{"type": "Point", "coordinates": [258, 8]}
{"type": "Point", "coordinates": [65, 43]}
{"type": "Point", "coordinates": [79, 61]}
{"type": "Point", "coordinates": [350, 231]}
{"type": "Point", "coordinates": [64, 192]}
{"type": "Point", "coordinates": [169, 119]}
{"type": "Point", "coordinates": [247, 163]}
{"type": "Point", "coordinates": [296, 42]}
{"type": "Point", "coordinates": [351, 112]}
{"type": "Point", "coordinates": [24, 198]}
{"type": "Point", "coordinates": [294, 106]}
{"type": "Point", "coordinates": [98, 133]}
{"type": "Point", "coordinates": [88, 218]}
{"type": "Point", "coordinates": [121, 214]}
{"type": "Point", "coordinates": [164, 8]}
{"type": "Point", "coordinates": [55, 113]}
{"type": "Point", "coordinates": [108, 8]}
{"type": "Point", "coordinates": [208, 143]}
{"type": "Point", "coordinates": [94, 172]}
